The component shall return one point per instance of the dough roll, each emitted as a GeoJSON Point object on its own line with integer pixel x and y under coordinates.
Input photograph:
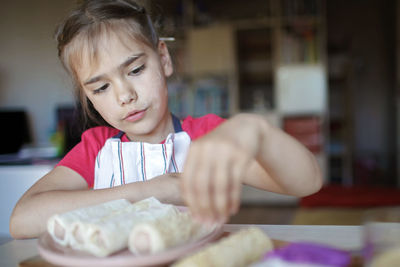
{"type": "Point", "coordinates": [237, 250]}
{"type": "Point", "coordinates": [83, 231]}
{"type": "Point", "coordinates": [169, 230]}
{"type": "Point", "coordinates": [110, 233]}
{"type": "Point", "coordinates": [59, 225]}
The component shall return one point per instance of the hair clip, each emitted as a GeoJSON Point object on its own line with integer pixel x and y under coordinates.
{"type": "Point", "coordinates": [167, 39]}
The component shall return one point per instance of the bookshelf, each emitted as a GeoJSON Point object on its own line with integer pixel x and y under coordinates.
{"type": "Point", "coordinates": [341, 98]}
{"type": "Point", "coordinates": [206, 83]}
{"type": "Point", "coordinates": [255, 69]}
{"type": "Point", "coordinates": [272, 63]}
{"type": "Point", "coordinates": [301, 75]}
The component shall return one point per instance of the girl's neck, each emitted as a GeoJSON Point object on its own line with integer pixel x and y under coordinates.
{"type": "Point", "coordinates": [159, 134]}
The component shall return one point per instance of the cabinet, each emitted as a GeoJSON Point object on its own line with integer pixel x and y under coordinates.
{"type": "Point", "coordinates": [16, 180]}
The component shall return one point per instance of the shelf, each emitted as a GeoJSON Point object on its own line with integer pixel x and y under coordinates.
{"type": "Point", "coordinates": [302, 21]}
{"type": "Point", "coordinates": [256, 23]}
{"type": "Point", "coordinates": [301, 7]}
{"type": "Point", "coordinates": [255, 68]}
{"type": "Point", "coordinates": [227, 10]}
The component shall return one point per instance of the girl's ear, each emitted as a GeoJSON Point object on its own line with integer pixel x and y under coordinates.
{"type": "Point", "coordinates": [165, 58]}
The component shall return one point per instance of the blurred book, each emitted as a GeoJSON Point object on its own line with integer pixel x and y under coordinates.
{"type": "Point", "coordinates": [199, 97]}
{"type": "Point", "coordinates": [307, 130]}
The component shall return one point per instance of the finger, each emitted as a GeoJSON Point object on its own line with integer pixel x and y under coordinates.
{"type": "Point", "coordinates": [195, 190]}
{"type": "Point", "coordinates": [203, 193]}
{"type": "Point", "coordinates": [235, 185]}
{"type": "Point", "coordinates": [187, 181]}
{"type": "Point", "coordinates": [221, 194]}
{"type": "Point", "coordinates": [234, 196]}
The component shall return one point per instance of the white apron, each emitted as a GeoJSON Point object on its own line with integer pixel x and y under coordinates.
{"type": "Point", "coordinates": [119, 163]}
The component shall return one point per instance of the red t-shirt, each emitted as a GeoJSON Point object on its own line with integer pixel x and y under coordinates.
{"type": "Point", "coordinates": [82, 157]}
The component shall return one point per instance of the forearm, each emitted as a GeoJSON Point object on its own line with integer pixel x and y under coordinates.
{"type": "Point", "coordinates": [244, 150]}
{"type": "Point", "coordinates": [291, 167]}
{"type": "Point", "coordinates": [30, 216]}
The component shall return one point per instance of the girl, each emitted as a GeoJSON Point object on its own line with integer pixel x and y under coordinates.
{"type": "Point", "coordinates": [140, 149]}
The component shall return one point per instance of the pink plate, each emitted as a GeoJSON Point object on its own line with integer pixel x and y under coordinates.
{"type": "Point", "coordinates": [57, 254]}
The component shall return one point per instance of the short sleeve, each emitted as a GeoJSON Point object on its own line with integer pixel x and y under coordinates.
{"type": "Point", "coordinates": [197, 127]}
{"type": "Point", "coordinates": [81, 158]}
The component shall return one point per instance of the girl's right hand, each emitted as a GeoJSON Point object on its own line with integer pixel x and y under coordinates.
{"type": "Point", "coordinates": [215, 169]}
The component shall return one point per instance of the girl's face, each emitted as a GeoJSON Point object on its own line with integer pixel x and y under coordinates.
{"type": "Point", "coordinates": [127, 86]}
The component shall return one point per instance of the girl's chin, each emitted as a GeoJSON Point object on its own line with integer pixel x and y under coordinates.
{"type": "Point", "coordinates": [138, 130]}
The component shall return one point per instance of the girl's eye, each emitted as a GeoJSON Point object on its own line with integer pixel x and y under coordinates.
{"type": "Point", "coordinates": [137, 71]}
{"type": "Point", "coordinates": [101, 89]}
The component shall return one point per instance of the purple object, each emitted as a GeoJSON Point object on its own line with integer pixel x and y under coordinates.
{"type": "Point", "coordinates": [302, 252]}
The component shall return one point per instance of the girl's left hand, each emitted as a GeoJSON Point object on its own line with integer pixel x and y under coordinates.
{"type": "Point", "coordinates": [213, 175]}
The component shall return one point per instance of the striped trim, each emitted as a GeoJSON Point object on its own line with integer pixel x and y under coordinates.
{"type": "Point", "coordinates": [143, 161]}
{"type": "Point", "coordinates": [98, 159]}
{"type": "Point", "coordinates": [164, 150]}
{"type": "Point", "coordinates": [112, 181]}
{"type": "Point", "coordinates": [173, 159]}
{"type": "Point", "coordinates": [121, 163]}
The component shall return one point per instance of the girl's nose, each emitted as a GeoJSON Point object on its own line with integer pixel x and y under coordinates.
{"type": "Point", "coordinates": [126, 94]}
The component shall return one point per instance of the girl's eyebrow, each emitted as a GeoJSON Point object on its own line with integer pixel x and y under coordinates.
{"type": "Point", "coordinates": [124, 64]}
{"type": "Point", "coordinates": [130, 60]}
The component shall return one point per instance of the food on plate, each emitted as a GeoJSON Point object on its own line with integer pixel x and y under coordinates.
{"type": "Point", "coordinates": [110, 233]}
{"type": "Point", "coordinates": [59, 225]}
{"type": "Point", "coordinates": [171, 229]}
{"type": "Point", "coordinates": [239, 249]}
{"type": "Point", "coordinates": [103, 229]}
{"type": "Point", "coordinates": [149, 225]}
{"type": "Point", "coordinates": [104, 235]}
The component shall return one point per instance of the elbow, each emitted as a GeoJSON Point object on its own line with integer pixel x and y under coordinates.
{"type": "Point", "coordinates": [312, 184]}
{"type": "Point", "coordinates": [316, 182]}
{"type": "Point", "coordinates": [18, 226]}
{"type": "Point", "coordinates": [15, 231]}
{"type": "Point", "coordinates": [312, 188]}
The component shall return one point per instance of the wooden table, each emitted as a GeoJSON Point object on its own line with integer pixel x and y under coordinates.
{"type": "Point", "coordinates": [343, 237]}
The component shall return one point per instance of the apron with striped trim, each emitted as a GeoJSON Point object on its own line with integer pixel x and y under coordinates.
{"type": "Point", "coordinates": [119, 163]}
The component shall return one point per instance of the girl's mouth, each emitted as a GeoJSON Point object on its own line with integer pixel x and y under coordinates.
{"type": "Point", "coordinates": [135, 115]}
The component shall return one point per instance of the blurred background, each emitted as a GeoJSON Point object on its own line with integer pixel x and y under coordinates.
{"type": "Point", "coordinates": [324, 71]}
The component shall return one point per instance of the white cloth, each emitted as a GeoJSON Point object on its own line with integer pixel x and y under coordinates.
{"type": "Point", "coordinates": [125, 162]}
